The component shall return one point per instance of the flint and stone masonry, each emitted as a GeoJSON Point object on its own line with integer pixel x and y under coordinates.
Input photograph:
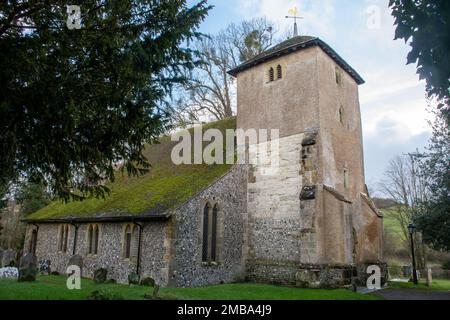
{"type": "Point", "coordinates": [311, 223]}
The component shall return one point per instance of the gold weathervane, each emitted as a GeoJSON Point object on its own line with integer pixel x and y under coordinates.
{"type": "Point", "coordinates": [294, 15]}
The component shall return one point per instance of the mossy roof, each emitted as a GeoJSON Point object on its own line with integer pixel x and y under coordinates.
{"type": "Point", "coordinates": [166, 186]}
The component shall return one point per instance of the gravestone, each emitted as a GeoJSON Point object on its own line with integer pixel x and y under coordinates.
{"type": "Point", "coordinates": [9, 258]}
{"type": "Point", "coordinates": [100, 275]}
{"type": "Point", "coordinates": [1, 256]}
{"type": "Point", "coordinates": [407, 271]}
{"type": "Point", "coordinates": [133, 278]}
{"type": "Point", "coordinates": [147, 282]}
{"type": "Point", "coordinates": [28, 268]}
{"type": "Point", "coordinates": [429, 277]}
{"type": "Point", "coordinates": [76, 260]}
{"type": "Point", "coordinates": [45, 267]}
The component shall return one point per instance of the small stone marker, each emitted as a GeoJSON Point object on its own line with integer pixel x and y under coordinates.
{"type": "Point", "coordinates": [100, 275]}
{"type": "Point", "coordinates": [28, 268]}
{"type": "Point", "coordinates": [45, 267]}
{"type": "Point", "coordinates": [133, 278]}
{"type": "Point", "coordinates": [156, 292]}
{"type": "Point", "coordinates": [429, 277]}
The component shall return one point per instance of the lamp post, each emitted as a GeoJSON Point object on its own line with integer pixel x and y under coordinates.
{"type": "Point", "coordinates": [412, 229]}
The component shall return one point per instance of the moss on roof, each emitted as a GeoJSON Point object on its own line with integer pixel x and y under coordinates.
{"type": "Point", "coordinates": [164, 187]}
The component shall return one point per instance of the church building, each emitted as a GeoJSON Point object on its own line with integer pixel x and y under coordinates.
{"type": "Point", "coordinates": [312, 224]}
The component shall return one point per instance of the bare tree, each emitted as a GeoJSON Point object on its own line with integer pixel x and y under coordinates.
{"type": "Point", "coordinates": [211, 92]}
{"type": "Point", "coordinates": [406, 183]}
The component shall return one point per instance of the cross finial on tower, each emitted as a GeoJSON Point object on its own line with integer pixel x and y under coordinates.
{"type": "Point", "coordinates": [294, 15]}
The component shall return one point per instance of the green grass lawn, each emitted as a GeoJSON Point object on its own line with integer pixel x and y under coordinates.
{"type": "Point", "coordinates": [54, 288]}
{"type": "Point", "coordinates": [436, 285]}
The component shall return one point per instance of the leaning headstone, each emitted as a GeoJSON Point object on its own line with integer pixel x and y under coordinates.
{"type": "Point", "coordinates": [133, 278]}
{"type": "Point", "coordinates": [156, 292]}
{"type": "Point", "coordinates": [45, 267]}
{"type": "Point", "coordinates": [147, 282]}
{"type": "Point", "coordinates": [28, 268]}
{"type": "Point", "coordinates": [76, 260]}
{"type": "Point", "coordinates": [100, 275]}
{"type": "Point", "coordinates": [9, 258]}
{"type": "Point", "coordinates": [429, 277]}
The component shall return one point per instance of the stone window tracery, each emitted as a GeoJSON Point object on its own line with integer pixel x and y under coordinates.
{"type": "Point", "coordinates": [93, 239]}
{"type": "Point", "coordinates": [63, 238]}
{"type": "Point", "coordinates": [210, 233]}
{"type": "Point", "coordinates": [130, 241]}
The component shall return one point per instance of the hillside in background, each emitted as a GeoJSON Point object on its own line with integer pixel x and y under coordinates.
{"type": "Point", "coordinates": [397, 246]}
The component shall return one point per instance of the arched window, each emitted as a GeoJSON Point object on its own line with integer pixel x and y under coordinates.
{"type": "Point", "coordinates": [127, 242]}
{"type": "Point", "coordinates": [130, 244]}
{"type": "Point", "coordinates": [271, 74]}
{"type": "Point", "coordinates": [33, 242]}
{"type": "Point", "coordinates": [279, 72]}
{"type": "Point", "coordinates": [210, 233]}
{"type": "Point", "coordinates": [214, 234]}
{"type": "Point", "coordinates": [93, 239]}
{"type": "Point", "coordinates": [63, 237]}
{"type": "Point", "coordinates": [95, 249]}
{"type": "Point", "coordinates": [205, 239]}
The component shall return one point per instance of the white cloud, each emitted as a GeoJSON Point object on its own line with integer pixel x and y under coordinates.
{"type": "Point", "coordinates": [393, 105]}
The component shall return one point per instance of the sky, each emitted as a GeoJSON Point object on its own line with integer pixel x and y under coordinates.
{"type": "Point", "coordinates": [393, 102]}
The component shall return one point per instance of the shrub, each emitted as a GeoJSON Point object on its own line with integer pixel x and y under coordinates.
{"type": "Point", "coordinates": [446, 265]}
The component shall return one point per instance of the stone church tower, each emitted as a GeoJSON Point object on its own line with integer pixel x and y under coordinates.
{"type": "Point", "coordinates": [313, 222]}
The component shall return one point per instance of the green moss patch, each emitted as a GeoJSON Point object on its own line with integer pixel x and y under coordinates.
{"type": "Point", "coordinates": [164, 187]}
